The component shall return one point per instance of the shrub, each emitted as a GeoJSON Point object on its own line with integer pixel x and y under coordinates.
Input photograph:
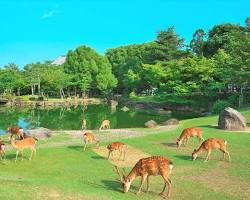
{"type": "Point", "coordinates": [32, 98]}
{"type": "Point", "coordinates": [219, 105]}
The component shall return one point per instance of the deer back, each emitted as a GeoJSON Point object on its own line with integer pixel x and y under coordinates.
{"type": "Point", "coordinates": [26, 142]}
{"type": "Point", "coordinates": [115, 146]}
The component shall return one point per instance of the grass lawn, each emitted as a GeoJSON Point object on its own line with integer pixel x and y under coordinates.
{"type": "Point", "coordinates": [66, 172]}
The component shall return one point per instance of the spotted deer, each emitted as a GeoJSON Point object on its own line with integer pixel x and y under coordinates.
{"type": "Point", "coordinates": [89, 137]}
{"type": "Point", "coordinates": [2, 149]}
{"type": "Point", "coordinates": [26, 143]}
{"type": "Point", "coordinates": [15, 131]}
{"type": "Point", "coordinates": [117, 146]}
{"type": "Point", "coordinates": [105, 124]}
{"type": "Point", "coordinates": [210, 144]}
{"type": "Point", "coordinates": [187, 133]}
{"type": "Point", "coordinates": [145, 167]}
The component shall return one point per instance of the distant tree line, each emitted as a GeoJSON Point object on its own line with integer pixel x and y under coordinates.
{"type": "Point", "coordinates": [214, 61]}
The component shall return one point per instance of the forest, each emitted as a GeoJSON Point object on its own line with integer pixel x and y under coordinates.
{"type": "Point", "coordinates": [214, 63]}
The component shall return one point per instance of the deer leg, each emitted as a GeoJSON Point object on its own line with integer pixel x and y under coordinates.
{"type": "Point", "coordinates": [208, 155]}
{"type": "Point", "coordinates": [85, 144]}
{"type": "Point", "coordinates": [147, 184]}
{"type": "Point", "coordinates": [167, 182]}
{"type": "Point", "coordinates": [17, 152]}
{"type": "Point", "coordinates": [109, 155]}
{"type": "Point", "coordinates": [226, 152]}
{"type": "Point", "coordinates": [143, 178]}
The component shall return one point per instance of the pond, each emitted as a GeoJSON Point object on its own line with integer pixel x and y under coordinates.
{"type": "Point", "coordinates": [71, 118]}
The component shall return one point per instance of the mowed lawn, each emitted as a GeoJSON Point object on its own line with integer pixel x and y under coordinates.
{"type": "Point", "coordinates": [66, 172]}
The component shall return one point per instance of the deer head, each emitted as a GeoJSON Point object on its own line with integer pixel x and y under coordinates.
{"type": "Point", "coordinates": [194, 154]}
{"type": "Point", "coordinates": [178, 142]}
{"type": "Point", "coordinates": [125, 181]}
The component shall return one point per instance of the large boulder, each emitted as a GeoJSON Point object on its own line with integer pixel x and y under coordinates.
{"type": "Point", "coordinates": [170, 122]}
{"type": "Point", "coordinates": [40, 133]}
{"type": "Point", "coordinates": [150, 124]}
{"type": "Point", "coordinates": [231, 119]}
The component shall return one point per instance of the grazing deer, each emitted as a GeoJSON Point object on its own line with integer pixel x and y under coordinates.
{"type": "Point", "coordinates": [2, 149]}
{"type": "Point", "coordinates": [105, 124]}
{"type": "Point", "coordinates": [90, 138]}
{"type": "Point", "coordinates": [114, 146]}
{"type": "Point", "coordinates": [15, 130]}
{"type": "Point", "coordinates": [84, 123]}
{"type": "Point", "coordinates": [145, 167]}
{"type": "Point", "coordinates": [210, 144]}
{"type": "Point", "coordinates": [26, 143]}
{"type": "Point", "coordinates": [187, 133]}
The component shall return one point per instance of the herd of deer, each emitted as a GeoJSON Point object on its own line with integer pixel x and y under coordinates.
{"type": "Point", "coordinates": [145, 167]}
{"type": "Point", "coordinates": [159, 165]}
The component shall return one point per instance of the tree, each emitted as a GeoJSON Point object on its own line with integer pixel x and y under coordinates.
{"type": "Point", "coordinates": [197, 42]}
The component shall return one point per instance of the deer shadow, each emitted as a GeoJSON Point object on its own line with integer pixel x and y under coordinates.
{"type": "Point", "coordinates": [184, 157]}
{"type": "Point", "coordinates": [209, 126]}
{"type": "Point", "coordinates": [76, 148]}
{"type": "Point", "coordinates": [169, 144]}
{"type": "Point", "coordinates": [112, 185]}
{"type": "Point", "coordinates": [97, 157]}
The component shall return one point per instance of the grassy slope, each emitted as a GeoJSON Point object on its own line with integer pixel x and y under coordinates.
{"type": "Point", "coordinates": [67, 172]}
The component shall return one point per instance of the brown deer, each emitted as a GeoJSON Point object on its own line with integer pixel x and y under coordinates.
{"type": "Point", "coordinates": [26, 143]}
{"type": "Point", "coordinates": [2, 149]}
{"type": "Point", "coordinates": [105, 124]}
{"type": "Point", "coordinates": [89, 137]}
{"type": "Point", "coordinates": [187, 133]}
{"type": "Point", "coordinates": [145, 167]}
{"type": "Point", "coordinates": [15, 130]}
{"type": "Point", "coordinates": [117, 146]}
{"type": "Point", "coordinates": [84, 123]}
{"type": "Point", "coordinates": [210, 144]}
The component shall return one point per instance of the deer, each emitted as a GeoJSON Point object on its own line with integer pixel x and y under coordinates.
{"type": "Point", "coordinates": [2, 149]}
{"type": "Point", "coordinates": [187, 133]}
{"type": "Point", "coordinates": [84, 123]}
{"type": "Point", "coordinates": [105, 124]}
{"type": "Point", "coordinates": [89, 137]}
{"type": "Point", "coordinates": [145, 167]}
{"type": "Point", "coordinates": [210, 144]}
{"type": "Point", "coordinates": [16, 130]}
{"type": "Point", "coordinates": [26, 143]}
{"type": "Point", "coordinates": [116, 146]}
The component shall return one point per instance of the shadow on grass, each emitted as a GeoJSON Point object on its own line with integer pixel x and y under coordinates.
{"type": "Point", "coordinates": [169, 144]}
{"type": "Point", "coordinates": [112, 185]}
{"type": "Point", "coordinates": [184, 157]}
{"type": "Point", "coordinates": [209, 126]}
{"type": "Point", "coordinates": [12, 156]}
{"type": "Point", "coordinates": [76, 148]}
{"type": "Point", "coordinates": [98, 157]}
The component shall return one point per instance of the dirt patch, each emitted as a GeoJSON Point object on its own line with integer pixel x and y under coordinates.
{"type": "Point", "coordinates": [131, 158]}
{"type": "Point", "coordinates": [220, 181]}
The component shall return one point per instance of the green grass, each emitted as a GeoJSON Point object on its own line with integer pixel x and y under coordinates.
{"type": "Point", "coordinates": [66, 172]}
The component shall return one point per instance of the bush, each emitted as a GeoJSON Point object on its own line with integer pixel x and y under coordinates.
{"type": "Point", "coordinates": [32, 98]}
{"type": "Point", "coordinates": [40, 98]}
{"type": "Point", "coordinates": [132, 95]}
{"type": "Point", "coordinates": [219, 105]}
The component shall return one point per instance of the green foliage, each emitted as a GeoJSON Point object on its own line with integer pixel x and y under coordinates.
{"type": "Point", "coordinates": [219, 105]}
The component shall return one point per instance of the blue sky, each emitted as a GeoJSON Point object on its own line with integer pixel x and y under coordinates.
{"type": "Point", "coordinates": [38, 30]}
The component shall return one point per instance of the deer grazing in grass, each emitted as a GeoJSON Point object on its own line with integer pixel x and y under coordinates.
{"type": "Point", "coordinates": [187, 133]}
{"type": "Point", "coordinates": [117, 146]}
{"type": "Point", "coordinates": [89, 137]}
{"type": "Point", "coordinates": [145, 167]}
{"type": "Point", "coordinates": [15, 130]}
{"type": "Point", "coordinates": [210, 144]}
{"type": "Point", "coordinates": [2, 149]}
{"type": "Point", "coordinates": [105, 124]}
{"type": "Point", "coordinates": [26, 143]}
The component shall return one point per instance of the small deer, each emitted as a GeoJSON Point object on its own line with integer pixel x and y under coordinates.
{"type": "Point", "coordinates": [89, 137]}
{"type": "Point", "coordinates": [105, 124]}
{"type": "Point", "coordinates": [26, 143]}
{"type": "Point", "coordinates": [187, 133]}
{"type": "Point", "coordinates": [117, 146]}
{"type": "Point", "coordinates": [2, 149]}
{"type": "Point", "coordinates": [16, 130]}
{"type": "Point", "coordinates": [210, 144]}
{"type": "Point", "coordinates": [145, 167]}
{"type": "Point", "coordinates": [84, 124]}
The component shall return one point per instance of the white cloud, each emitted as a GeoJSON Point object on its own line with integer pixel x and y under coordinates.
{"type": "Point", "coordinates": [48, 14]}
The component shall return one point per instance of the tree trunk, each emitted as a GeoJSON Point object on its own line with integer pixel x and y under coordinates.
{"type": "Point", "coordinates": [32, 90]}
{"type": "Point", "coordinates": [39, 88]}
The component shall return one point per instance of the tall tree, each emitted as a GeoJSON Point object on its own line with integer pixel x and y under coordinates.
{"type": "Point", "coordinates": [197, 42]}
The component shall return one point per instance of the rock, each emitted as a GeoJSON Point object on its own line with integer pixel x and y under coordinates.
{"type": "Point", "coordinates": [150, 124]}
{"type": "Point", "coordinates": [231, 119]}
{"type": "Point", "coordinates": [113, 103]}
{"type": "Point", "coordinates": [170, 122]}
{"type": "Point", "coordinates": [40, 133]}
{"type": "Point", "coordinates": [125, 109]}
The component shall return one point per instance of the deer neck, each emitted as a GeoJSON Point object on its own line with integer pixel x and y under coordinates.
{"type": "Point", "coordinates": [12, 142]}
{"type": "Point", "coordinates": [200, 150]}
{"type": "Point", "coordinates": [132, 175]}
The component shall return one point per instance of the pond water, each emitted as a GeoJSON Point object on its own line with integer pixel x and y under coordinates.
{"type": "Point", "coordinates": [71, 118]}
